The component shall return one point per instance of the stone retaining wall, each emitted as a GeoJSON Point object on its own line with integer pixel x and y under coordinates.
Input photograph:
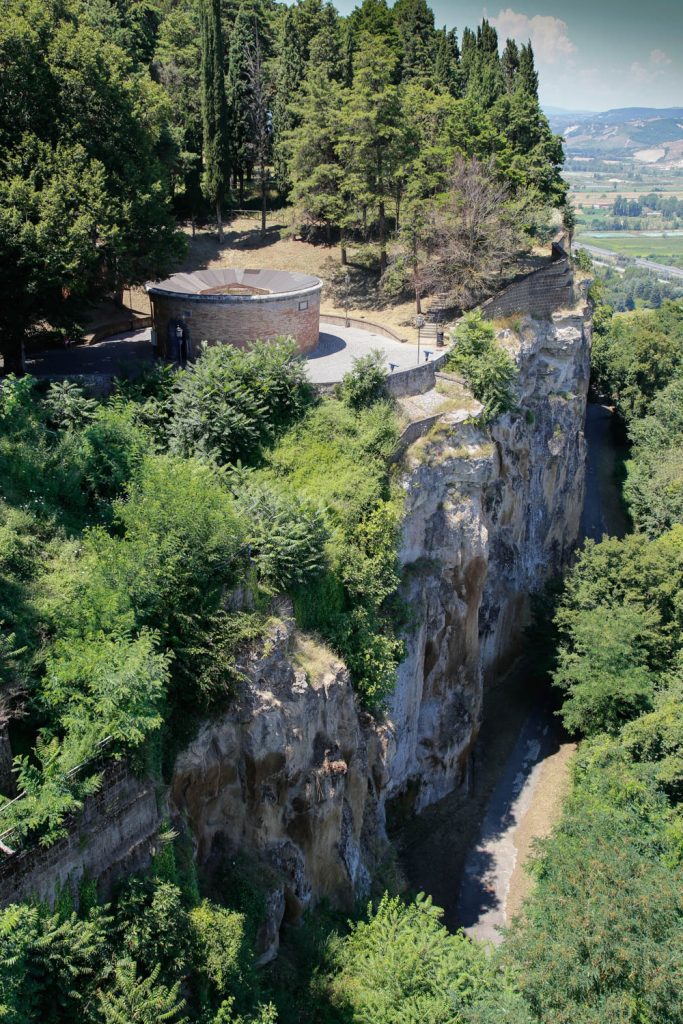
{"type": "Point", "coordinates": [412, 433]}
{"type": "Point", "coordinates": [114, 836]}
{"type": "Point", "coordinates": [126, 322]}
{"type": "Point", "coordinates": [540, 294]}
{"type": "Point", "coordinates": [416, 380]}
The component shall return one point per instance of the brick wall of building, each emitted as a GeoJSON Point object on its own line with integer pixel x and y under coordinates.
{"type": "Point", "coordinates": [221, 320]}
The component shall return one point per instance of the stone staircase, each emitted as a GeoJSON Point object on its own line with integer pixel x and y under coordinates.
{"type": "Point", "coordinates": [435, 317]}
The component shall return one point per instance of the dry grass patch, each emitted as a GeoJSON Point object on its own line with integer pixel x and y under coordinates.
{"type": "Point", "coordinates": [243, 246]}
{"type": "Point", "coordinates": [313, 656]}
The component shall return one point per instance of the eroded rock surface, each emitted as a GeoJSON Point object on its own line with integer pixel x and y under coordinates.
{"type": "Point", "coordinates": [295, 773]}
{"type": "Point", "coordinates": [490, 515]}
{"type": "Point", "coordinates": [284, 776]}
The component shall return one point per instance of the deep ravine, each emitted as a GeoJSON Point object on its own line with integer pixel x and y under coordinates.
{"type": "Point", "coordinates": [527, 797]}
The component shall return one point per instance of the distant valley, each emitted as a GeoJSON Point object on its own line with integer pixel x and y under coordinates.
{"type": "Point", "coordinates": [645, 134]}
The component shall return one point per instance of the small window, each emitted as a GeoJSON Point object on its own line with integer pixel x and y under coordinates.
{"type": "Point", "coordinates": [303, 304]}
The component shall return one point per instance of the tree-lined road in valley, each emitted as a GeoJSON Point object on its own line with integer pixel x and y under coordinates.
{"type": "Point", "coordinates": [658, 268]}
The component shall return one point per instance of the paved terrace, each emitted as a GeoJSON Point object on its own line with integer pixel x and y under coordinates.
{"type": "Point", "coordinates": [130, 352]}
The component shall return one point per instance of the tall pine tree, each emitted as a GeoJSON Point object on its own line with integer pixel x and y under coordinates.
{"type": "Point", "coordinates": [289, 75]}
{"type": "Point", "coordinates": [528, 76]}
{"type": "Point", "coordinates": [373, 140]}
{"type": "Point", "coordinates": [509, 64]}
{"type": "Point", "coordinates": [415, 27]}
{"type": "Point", "coordinates": [447, 72]}
{"type": "Point", "coordinates": [215, 155]}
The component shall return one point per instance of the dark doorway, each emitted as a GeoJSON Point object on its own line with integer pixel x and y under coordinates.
{"type": "Point", "coordinates": [179, 346]}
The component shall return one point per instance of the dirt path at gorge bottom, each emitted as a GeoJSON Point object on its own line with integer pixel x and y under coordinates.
{"type": "Point", "coordinates": [468, 850]}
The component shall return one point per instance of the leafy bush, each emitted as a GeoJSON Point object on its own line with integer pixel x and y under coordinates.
{"type": "Point", "coordinates": [67, 406]}
{"type": "Point", "coordinates": [336, 459]}
{"type": "Point", "coordinates": [489, 371]}
{"type": "Point", "coordinates": [285, 533]}
{"type": "Point", "coordinates": [402, 965]}
{"type": "Point", "coordinates": [366, 383]}
{"type": "Point", "coordinates": [605, 672]}
{"type": "Point", "coordinates": [219, 947]}
{"type": "Point", "coordinates": [140, 1000]}
{"type": "Point", "coordinates": [232, 402]}
{"type": "Point", "coordinates": [105, 686]}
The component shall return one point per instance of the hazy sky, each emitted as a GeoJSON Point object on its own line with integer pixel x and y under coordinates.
{"type": "Point", "coordinates": [591, 54]}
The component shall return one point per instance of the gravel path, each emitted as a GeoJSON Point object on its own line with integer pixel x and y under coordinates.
{"type": "Point", "coordinates": [492, 862]}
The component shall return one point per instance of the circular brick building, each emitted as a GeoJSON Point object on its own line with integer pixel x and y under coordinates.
{"type": "Point", "coordinates": [234, 307]}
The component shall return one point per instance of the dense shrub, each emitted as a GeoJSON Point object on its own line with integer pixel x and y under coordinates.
{"type": "Point", "coordinates": [232, 402]}
{"type": "Point", "coordinates": [286, 534]}
{"type": "Point", "coordinates": [336, 459]}
{"type": "Point", "coordinates": [152, 955]}
{"type": "Point", "coordinates": [365, 384]}
{"type": "Point", "coordinates": [602, 934]}
{"type": "Point", "coordinates": [488, 369]}
{"type": "Point", "coordinates": [638, 355]}
{"type": "Point", "coordinates": [402, 965]}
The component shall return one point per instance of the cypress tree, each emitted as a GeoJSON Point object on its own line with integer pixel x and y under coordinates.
{"type": "Point", "coordinates": [288, 78]}
{"type": "Point", "coordinates": [216, 166]}
{"type": "Point", "coordinates": [446, 62]}
{"type": "Point", "coordinates": [468, 55]}
{"type": "Point", "coordinates": [509, 64]}
{"type": "Point", "coordinates": [238, 93]}
{"type": "Point", "coordinates": [487, 38]}
{"type": "Point", "coordinates": [528, 76]}
{"type": "Point", "coordinates": [415, 27]}
{"type": "Point", "coordinates": [484, 77]}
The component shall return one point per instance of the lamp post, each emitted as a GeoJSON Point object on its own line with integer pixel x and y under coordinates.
{"type": "Point", "coordinates": [419, 323]}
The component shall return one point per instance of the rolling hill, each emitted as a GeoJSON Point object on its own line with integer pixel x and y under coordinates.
{"type": "Point", "coordinates": [646, 134]}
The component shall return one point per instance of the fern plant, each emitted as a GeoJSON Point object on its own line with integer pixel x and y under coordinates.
{"type": "Point", "coordinates": [133, 1000]}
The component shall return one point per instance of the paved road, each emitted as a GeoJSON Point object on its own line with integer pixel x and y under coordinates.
{"type": "Point", "coordinates": [327, 364]}
{"type": "Point", "coordinates": [121, 352]}
{"type": "Point", "coordinates": [339, 346]}
{"type": "Point", "coordinates": [657, 268]}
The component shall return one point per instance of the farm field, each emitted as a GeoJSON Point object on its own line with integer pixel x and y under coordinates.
{"type": "Point", "coordinates": [667, 249]}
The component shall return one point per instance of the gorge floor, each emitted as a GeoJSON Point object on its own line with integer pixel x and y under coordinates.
{"type": "Point", "coordinates": [469, 851]}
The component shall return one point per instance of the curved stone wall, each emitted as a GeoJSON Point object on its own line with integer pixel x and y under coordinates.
{"type": "Point", "coordinates": [234, 307]}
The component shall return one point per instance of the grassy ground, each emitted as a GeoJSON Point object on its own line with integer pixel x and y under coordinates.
{"type": "Point", "coordinates": [243, 246]}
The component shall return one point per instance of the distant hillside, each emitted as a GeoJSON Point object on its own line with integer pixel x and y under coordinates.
{"type": "Point", "coordinates": [642, 133]}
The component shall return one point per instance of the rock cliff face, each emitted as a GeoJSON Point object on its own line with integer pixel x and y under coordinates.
{"type": "Point", "coordinates": [295, 773]}
{"type": "Point", "coordinates": [284, 777]}
{"type": "Point", "coordinates": [489, 517]}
